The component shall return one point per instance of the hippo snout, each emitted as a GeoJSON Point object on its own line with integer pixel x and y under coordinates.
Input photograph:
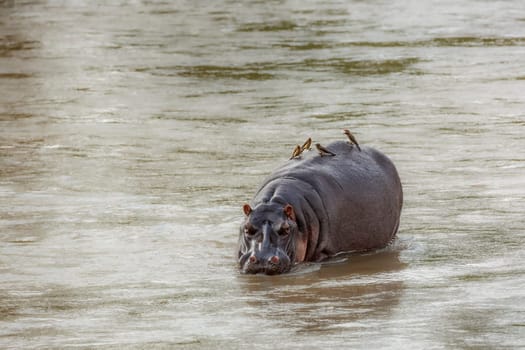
{"type": "Point", "coordinates": [270, 263]}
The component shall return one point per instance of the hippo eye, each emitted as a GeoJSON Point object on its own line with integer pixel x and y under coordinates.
{"type": "Point", "coordinates": [249, 230]}
{"type": "Point", "coordinates": [285, 229]}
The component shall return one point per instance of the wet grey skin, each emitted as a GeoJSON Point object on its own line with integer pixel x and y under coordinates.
{"type": "Point", "coordinates": [316, 207]}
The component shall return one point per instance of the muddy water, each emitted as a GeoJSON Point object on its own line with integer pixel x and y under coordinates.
{"type": "Point", "coordinates": [131, 134]}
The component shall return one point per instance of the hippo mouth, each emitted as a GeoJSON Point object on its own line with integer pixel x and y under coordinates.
{"type": "Point", "coordinates": [273, 264]}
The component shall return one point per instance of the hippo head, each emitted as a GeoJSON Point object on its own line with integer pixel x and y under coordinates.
{"type": "Point", "coordinates": [267, 239]}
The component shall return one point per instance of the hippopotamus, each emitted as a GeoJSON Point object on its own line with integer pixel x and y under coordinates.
{"type": "Point", "coordinates": [315, 207]}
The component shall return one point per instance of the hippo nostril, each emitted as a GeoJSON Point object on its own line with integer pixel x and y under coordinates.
{"type": "Point", "coordinates": [253, 259]}
{"type": "Point", "coordinates": [274, 259]}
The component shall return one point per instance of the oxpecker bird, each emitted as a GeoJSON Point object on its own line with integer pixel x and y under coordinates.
{"type": "Point", "coordinates": [306, 145]}
{"type": "Point", "coordinates": [351, 138]}
{"type": "Point", "coordinates": [323, 151]}
{"type": "Point", "coordinates": [296, 152]}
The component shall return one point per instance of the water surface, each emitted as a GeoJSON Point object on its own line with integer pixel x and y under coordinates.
{"type": "Point", "coordinates": [131, 134]}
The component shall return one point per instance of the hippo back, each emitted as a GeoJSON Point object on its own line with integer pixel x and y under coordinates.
{"type": "Point", "coordinates": [348, 202]}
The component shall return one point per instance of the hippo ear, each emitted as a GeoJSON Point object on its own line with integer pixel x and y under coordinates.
{"type": "Point", "coordinates": [247, 209]}
{"type": "Point", "coordinates": [288, 210]}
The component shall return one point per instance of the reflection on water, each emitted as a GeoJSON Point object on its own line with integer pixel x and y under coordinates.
{"type": "Point", "coordinates": [335, 295]}
{"type": "Point", "coordinates": [132, 133]}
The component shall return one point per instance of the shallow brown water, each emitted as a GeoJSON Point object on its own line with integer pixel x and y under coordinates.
{"type": "Point", "coordinates": [131, 134]}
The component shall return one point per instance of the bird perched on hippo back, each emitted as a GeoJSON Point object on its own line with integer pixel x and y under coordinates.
{"type": "Point", "coordinates": [314, 207]}
{"type": "Point", "coordinates": [307, 144]}
{"type": "Point", "coordinates": [323, 151]}
{"type": "Point", "coordinates": [296, 152]}
{"type": "Point", "coordinates": [351, 137]}
{"type": "Point", "coordinates": [300, 149]}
